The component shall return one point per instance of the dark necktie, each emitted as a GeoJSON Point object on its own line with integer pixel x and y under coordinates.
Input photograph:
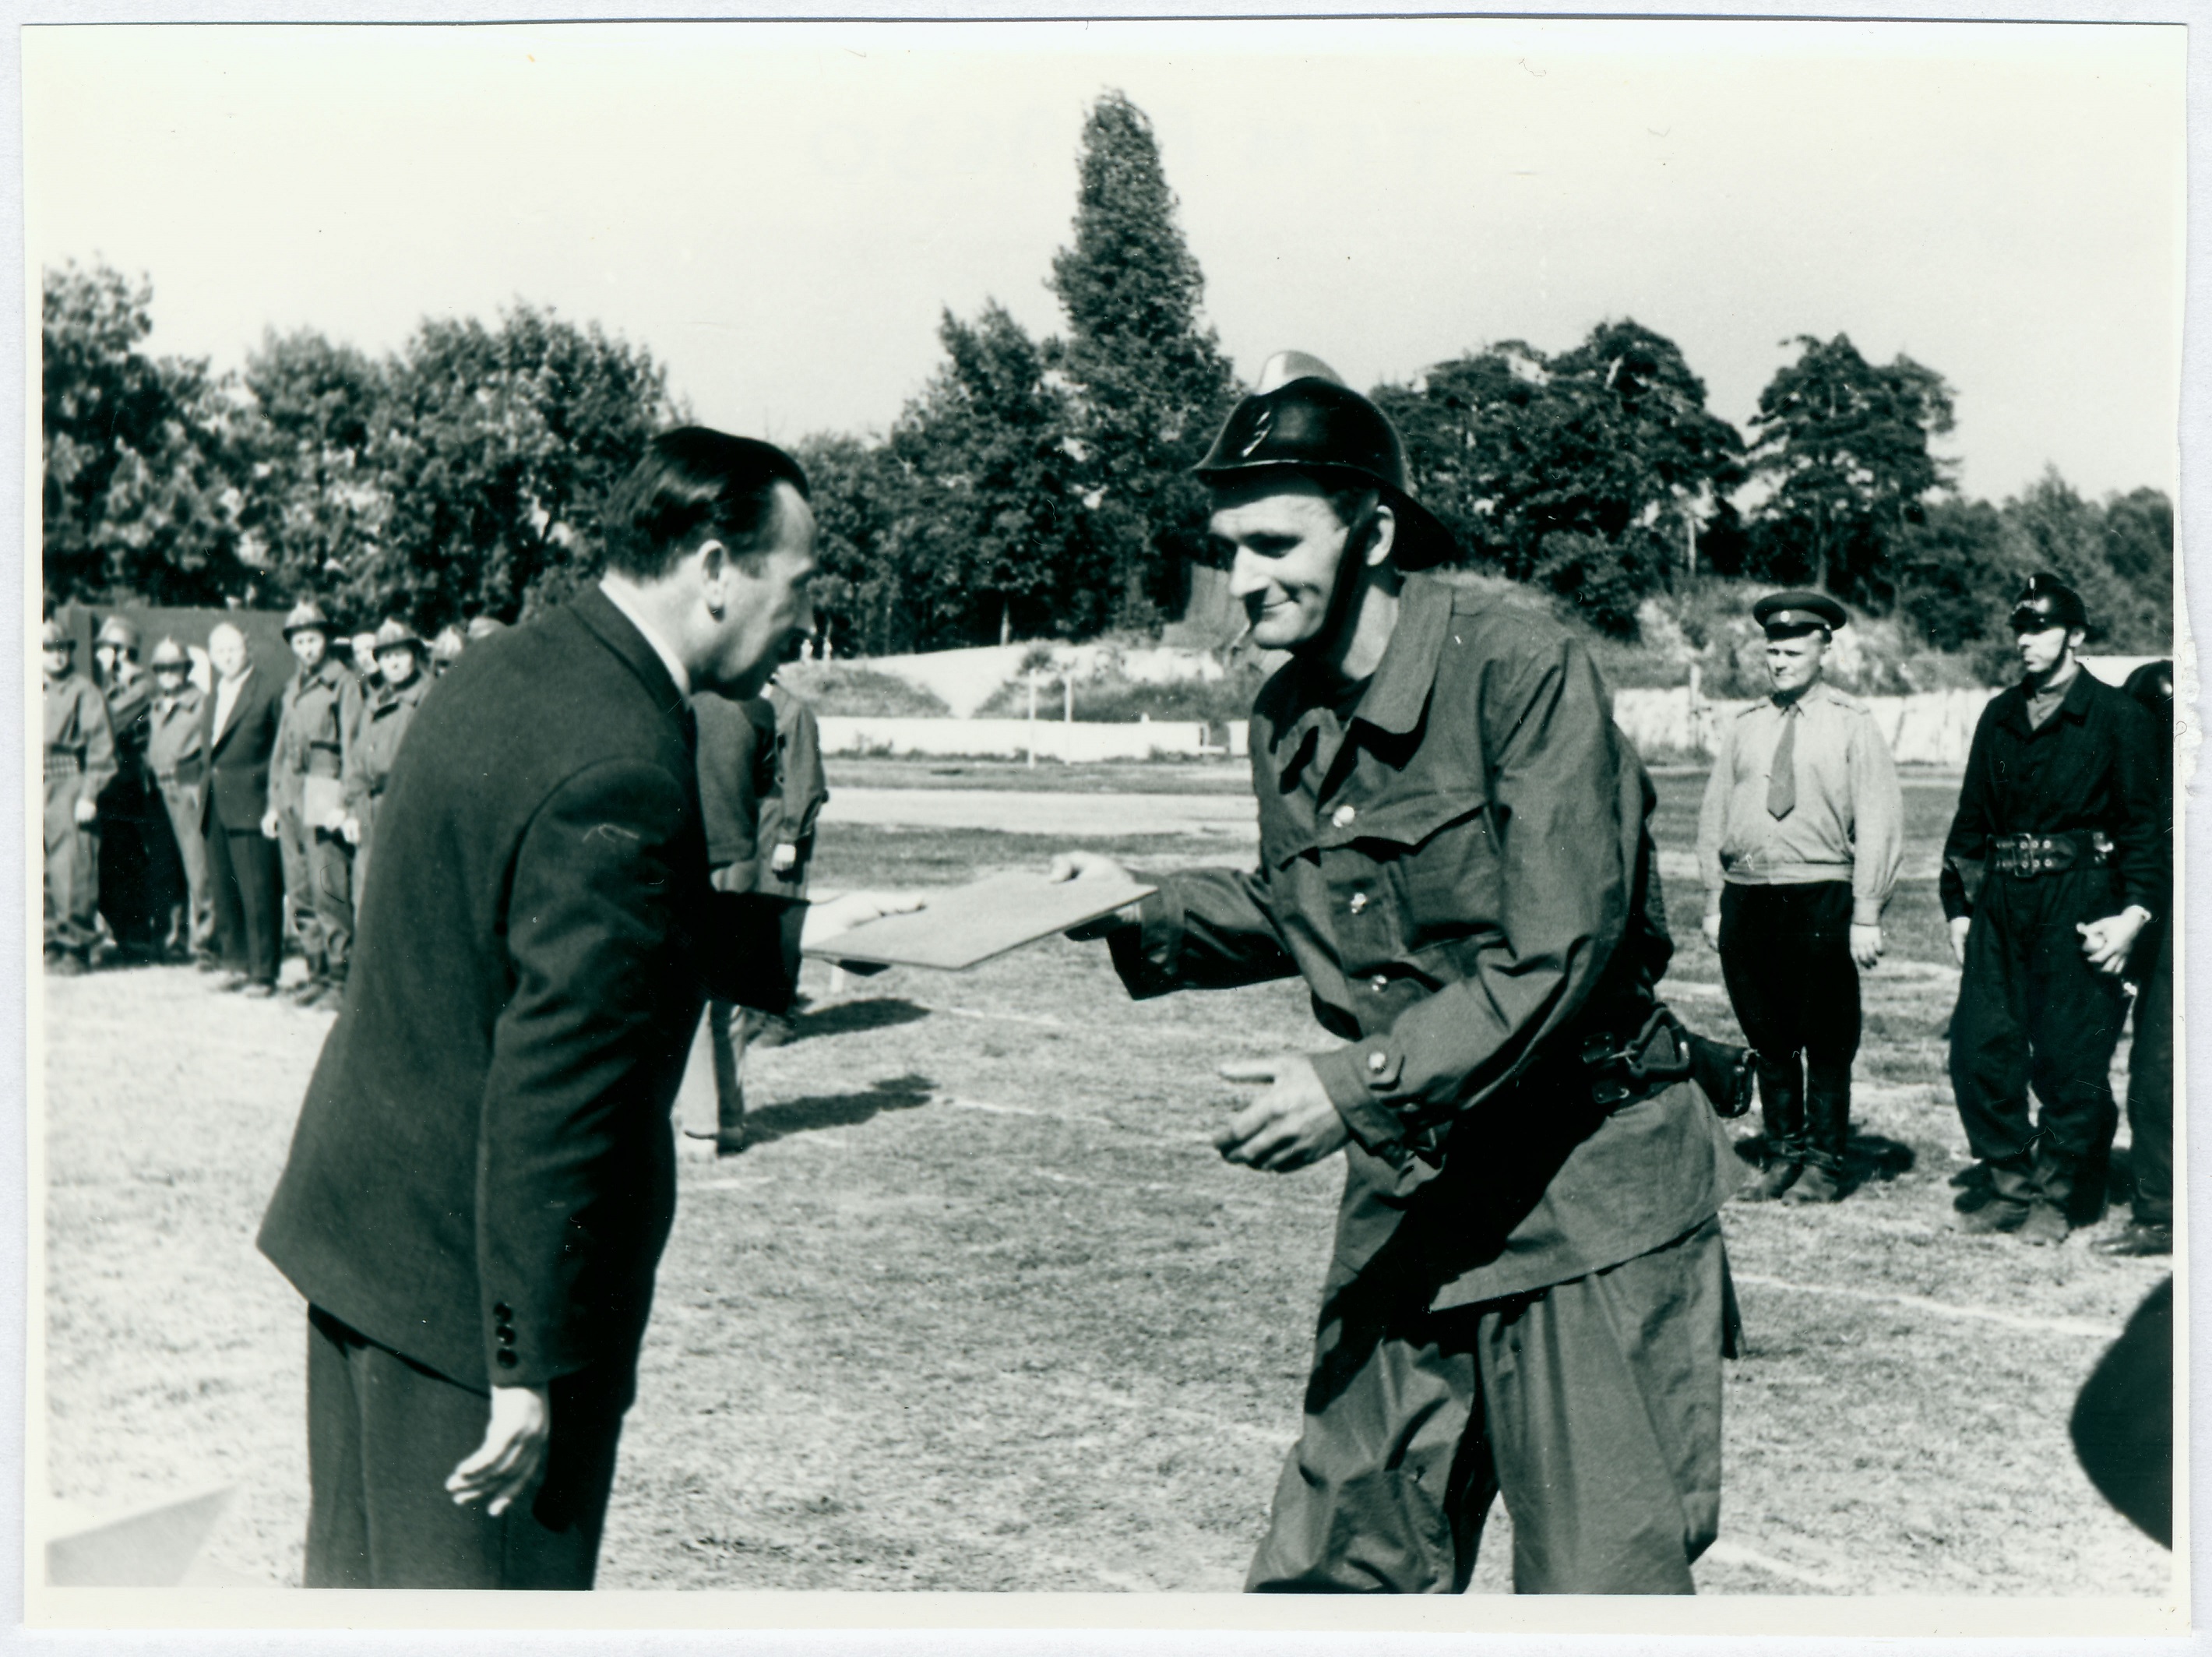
{"type": "Point", "coordinates": [1782, 778]}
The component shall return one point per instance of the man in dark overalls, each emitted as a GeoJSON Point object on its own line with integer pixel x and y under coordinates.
{"type": "Point", "coordinates": [2055, 861]}
{"type": "Point", "coordinates": [1527, 1294]}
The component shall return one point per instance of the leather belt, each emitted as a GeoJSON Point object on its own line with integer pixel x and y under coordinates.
{"type": "Point", "coordinates": [2024, 856]}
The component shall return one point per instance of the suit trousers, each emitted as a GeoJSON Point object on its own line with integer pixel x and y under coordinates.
{"type": "Point", "coordinates": [72, 874]}
{"type": "Point", "coordinates": [2150, 1088]}
{"type": "Point", "coordinates": [249, 922]}
{"type": "Point", "coordinates": [383, 1435]}
{"type": "Point", "coordinates": [1786, 957]}
{"type": "Point", "coordinates": [2033, 1011]}
{"type": "Point", "coordinates": [1594, 1406]}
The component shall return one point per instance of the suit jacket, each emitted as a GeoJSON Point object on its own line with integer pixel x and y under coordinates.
{"type": "Point", "coordinates": [238, 755]}
{"type": "Point", "coordinates": [483, 1172]}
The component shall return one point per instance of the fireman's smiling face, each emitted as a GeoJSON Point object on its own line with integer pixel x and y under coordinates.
{"type": "Point", "coordinates": [1285, 543]}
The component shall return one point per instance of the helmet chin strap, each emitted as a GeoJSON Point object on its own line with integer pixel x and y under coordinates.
{"type": "Point", "coordinates": [1351, 574]}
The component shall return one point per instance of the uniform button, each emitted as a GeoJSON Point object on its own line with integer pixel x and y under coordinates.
{"type": "Point", "coordinates": [504, 1332]}
{"type": "Point", "coordinates": [1358, 902]}
{"type": "Point", "coordinates": [1376, 1062]}
{"type": "Point", "coordinates": [501, 1311]}
{"type": "Point", "coordinates": [1343, 816]}
{"type": "Point", "coordinates": [1378, 983]}
{"type": "Point", "coordinates": [506, 1360]}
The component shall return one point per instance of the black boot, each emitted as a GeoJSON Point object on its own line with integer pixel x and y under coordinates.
{"type": "Point", "coordinates": [1782, 1108]}
{"type": "Point", "coordinates": [1827, 1128]}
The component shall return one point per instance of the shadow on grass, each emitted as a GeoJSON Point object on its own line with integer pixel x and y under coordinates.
{"type": "Point", "coordinates": [1869, 1158]}
{"type": "Point", "coordinates": [848, 1018]}
{"type": "Point", "coordinates": [835, 1110]}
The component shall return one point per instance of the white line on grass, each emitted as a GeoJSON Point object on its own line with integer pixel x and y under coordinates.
{"type": "Point", "coordinates": [1944, 1308]}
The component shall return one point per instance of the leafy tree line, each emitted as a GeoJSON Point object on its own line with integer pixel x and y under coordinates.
{"type": "Point", "coordinates": [1033, 487]}
{"type": "Point", "coordinates": [461, 475]}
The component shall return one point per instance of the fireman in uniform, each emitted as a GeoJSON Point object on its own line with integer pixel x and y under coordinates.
{"type": "Point", "coordinates": [80, 760]}
{"type": "Point", "coordinates": [176, 756]}
{"type": "Point", "coordinates": [402, 660]}
{"type": "Point", "coordinates": [321, 706]}
{"type": "Point", "coordinates": [2054, 863]}
{"type": "Point", "coordinates": [1528, 1293]}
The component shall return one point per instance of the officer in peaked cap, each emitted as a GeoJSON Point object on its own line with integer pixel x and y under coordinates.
{"type": "Point", "coordinates": [2055, 861]}
{"type": "Point", "coordinates": [1528, 1291]}
{"type": "Point", "coordinates": [80, 760]}
{"type": "Point", "coordinates": [321, 708]}
{"type": "Point", "coordinates": [1799, 840]}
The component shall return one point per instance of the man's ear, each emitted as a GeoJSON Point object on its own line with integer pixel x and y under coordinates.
{"type": "Point", "coordinates": [1383, 537]}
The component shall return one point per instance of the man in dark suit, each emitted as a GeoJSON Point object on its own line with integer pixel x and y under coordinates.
{"type": "Point", "coordinates": [241, 859]}
{"type": "Point", "coordinates": [483, 1172]}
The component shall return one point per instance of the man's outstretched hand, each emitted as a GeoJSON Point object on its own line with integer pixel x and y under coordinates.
{"type": "Point", "coordinates": [1291, 1126]}
{"type": "Point", "coordinates": [827, 919]}
{"type": "Point", "coordinates": [508, 1462]}
{"type": "Point", "coordinates": [1093, 866]}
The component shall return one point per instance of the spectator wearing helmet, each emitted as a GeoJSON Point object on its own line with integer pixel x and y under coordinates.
{"type": "Point", "coordinates": [401, 659]}
{"type": "Point", "coordinates": [80, 758]}
{"type": "Point", "coordinates": [2054, 863]}
{"type": "Point", "coordinates": [1528, 1292]}
{"type": "Point", "coordinates": [139, 869]}
{"type": "Point", "coordinates": [176, 756]}
{"type": "Point", "coordinates": [321, 708]}
{"type": "Point", "coordinates": [2149, 1230]}
{"type": "Point", "coordinates": [445, 650]}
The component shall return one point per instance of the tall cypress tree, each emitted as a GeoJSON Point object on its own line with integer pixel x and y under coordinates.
{"type": "Point", "coordinates": [1150, 383]}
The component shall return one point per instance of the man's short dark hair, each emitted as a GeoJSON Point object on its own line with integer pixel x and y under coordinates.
{"type": "Point", "coordinates": [694, 483]}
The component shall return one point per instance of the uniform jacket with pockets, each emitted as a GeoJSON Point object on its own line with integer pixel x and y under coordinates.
{"type": "Point", "coordinates": [1462, 871]}
{"type": "Point", "coordinates": [483, 1172]}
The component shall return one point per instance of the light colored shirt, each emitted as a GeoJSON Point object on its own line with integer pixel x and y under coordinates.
{"type": "Point", "coordinates": [625, 598]}
{"type": "Point", "coordinates": [1849, 820]}
{"type": "Point", "coordinates": [225, 699]}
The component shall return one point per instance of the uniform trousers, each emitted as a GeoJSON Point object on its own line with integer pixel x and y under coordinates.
{"type": "Point", "coordinates": [136, 869]}
{"type": "Point", "coordinates": [383, 1435]}
{"type": "Point", "coordinates": [1786, 957]}
{"type": "Point", "coordinates": [243, 878]}
{"type": "Point", "coordinates": [300, 923]}
{"type": "Point", "coordinates": [2150, 1088]}
{"type": "Point", "coordinates": [1594, 1406]}
{"type": "Point", "coordinates": [2032, 1010]}
{"type": "Point", "coordinates": [72, 873]}
{"type": "Point", "coordinates": [194, 928]}
{"type": "Point", "coordinates": [331, 875]}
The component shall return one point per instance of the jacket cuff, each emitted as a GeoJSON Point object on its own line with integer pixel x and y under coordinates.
{"type": "Point", "coordinates": [1866, 911]}
{"type": "Point", "coordinates": [1149, 954]}
{"type": "Point", "coordinates": [1359, 1080]}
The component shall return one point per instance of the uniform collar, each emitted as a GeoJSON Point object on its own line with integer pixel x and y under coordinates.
{"type": "Point", "coordinates": [1399, 690]}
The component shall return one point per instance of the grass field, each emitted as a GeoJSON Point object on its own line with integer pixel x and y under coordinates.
{"type": "Point", "coordinates": [980, 1308]}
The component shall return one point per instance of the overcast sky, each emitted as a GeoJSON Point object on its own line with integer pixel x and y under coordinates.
{"type": "Point", "coordinates": [780, 214]}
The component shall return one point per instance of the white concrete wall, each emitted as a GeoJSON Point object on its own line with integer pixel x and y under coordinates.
{"type": "Point", "coordinates": [1933, 728]}
{"type": "Point", "coordinates": [1012, 739]}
